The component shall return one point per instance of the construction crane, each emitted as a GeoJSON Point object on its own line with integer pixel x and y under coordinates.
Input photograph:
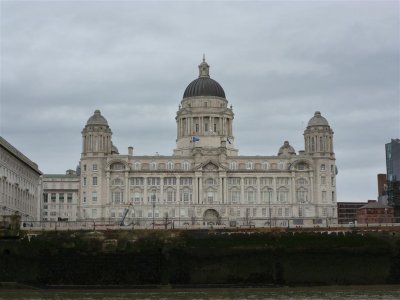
{"type": "Point", "coordinates": [121, 223]}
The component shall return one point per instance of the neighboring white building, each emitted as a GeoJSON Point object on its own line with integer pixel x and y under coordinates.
{"type": "Point", "coordinates": [60, 197]}
{"type": "Point", "coordinates": [205, 181]}
{"type": "Point", "coordinates": [19, 183]}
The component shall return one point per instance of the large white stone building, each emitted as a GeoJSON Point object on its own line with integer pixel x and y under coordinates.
{"type": "Point", "coordinates": [60, 194]}
{"type": "Point", "coordinates": [19, 183]}
{"type": "Point", "coordinates": [205, 181]}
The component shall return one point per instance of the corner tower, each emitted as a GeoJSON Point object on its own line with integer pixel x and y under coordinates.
{"type": "Point", "coordinates": [318, 136]}
{"type": "Point", "coordinates": [96, 136]}
{"type": "Point", "coordinates": [204, 119]}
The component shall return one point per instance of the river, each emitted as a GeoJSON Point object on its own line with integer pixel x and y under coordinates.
{"type": "Point", "coordinates": [328, 292]}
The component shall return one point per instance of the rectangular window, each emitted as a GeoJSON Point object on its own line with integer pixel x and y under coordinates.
{"type": "Point", "coordinates": [153, 181]}
{"type": "Point", "coordinates": [235, 196]}
{"type": "Point", "coordinates": [94, 196]}
{"type": "Point", "coordinates": [116, 197]}
{"type": "Point", "coordinates": [138, 197]}
{"type": "Point", "coordinates": [286, 211]}
{"type": "Point", "coordinates": [94, 180]}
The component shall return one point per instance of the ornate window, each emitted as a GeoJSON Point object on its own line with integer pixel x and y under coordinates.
{"type": "Point", "coordinates": [170, 165]}
{"type": "Point", "coordinates": [186, 165]}
{"type": "Point", "coordinates": [266, 195]}
{"type": "Point", "coordinates": [117, 181]}
{"type": "Point", "coordinates": [249, 165]}
{"type": "Point", "coordinates": [116, 197]}
{"type": "Point", "coordinates": [301, 181]}
{"type": "Point", "coordinates": [153, 165]}
{"type": "Point", "coordinates": [302, 195]}
{"type": "Point", "coordinates": [282, 195]}
{"type": "Point", "coordinates": [116, 166]}
{"type": "Point", "coordinates": [250, 195]}
{"type": "Point", "coordinates": [94, 196]}
{"type": "Point", "coordinates": [186, 195]}
{"type": "Point", "coordinates": [171, 195]}
{"type": "Point", "coordinates": [235, 196]}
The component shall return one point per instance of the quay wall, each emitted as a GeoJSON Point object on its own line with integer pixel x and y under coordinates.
{"type": "Point", "coordinates": [201, 257]}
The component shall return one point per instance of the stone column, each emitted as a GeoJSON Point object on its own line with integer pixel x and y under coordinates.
{"type": "Point", "coordinates": [145, 199]}
{"type": "Point", "coordinates": [162, 189]}
{"type": "Point", "coordinates": [178, 188]}
{"type": "Point", "coordinates": [126, 186]}
{"type": "Point", "coordinates": [241, 190]}
{"type": "Point", "coordinates": [293, 188]}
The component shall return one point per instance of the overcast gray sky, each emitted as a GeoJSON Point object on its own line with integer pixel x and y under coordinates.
{"type": "Point", "coordinates": [278, 63]}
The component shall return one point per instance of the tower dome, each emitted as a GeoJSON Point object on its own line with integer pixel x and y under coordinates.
{"type": "Point", "coordinates": [204, 85]}
{"type": "Point", "coordinates": [97, 119]}
{"type": "Point", "coordinates": [318, 120]}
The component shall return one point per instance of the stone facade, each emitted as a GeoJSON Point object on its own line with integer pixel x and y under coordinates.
{"type": "Point", "coordinates": [19, 183]}
{"type": "Point", "coordinates": [60, 197]}
{"type": "Point", "coordinates": [205, 181]}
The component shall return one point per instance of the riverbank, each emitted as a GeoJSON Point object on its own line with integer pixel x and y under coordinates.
{"type": "Point", "coordinates": [199, 258]}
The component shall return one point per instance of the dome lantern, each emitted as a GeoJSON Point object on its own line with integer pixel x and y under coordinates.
{"type": "Point", "coordinates": [204, 85]}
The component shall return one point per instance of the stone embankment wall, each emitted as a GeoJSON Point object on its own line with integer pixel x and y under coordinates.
{"type": "Point", "coordinates": [130, 258]}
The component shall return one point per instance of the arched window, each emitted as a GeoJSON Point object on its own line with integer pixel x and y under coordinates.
{"type": "Point", "coordinates": [186, 195]}
{"type": "Point", "coordinates": [170, 165]}
{"type": "Point", "coordinates": [302, 195]}
{"type": "Point", "coordinates": [266, 195]}
{"type": "Point", "coordinates": [186, 165]}
{"type": "Point", "coordinates": [235, 195]}
{"type": "Point", "coordinates": [282, 195]}
{"type": "Point", "coordinates": [170, 195]}
{"type": "Point", "coordinates": [250, 195]}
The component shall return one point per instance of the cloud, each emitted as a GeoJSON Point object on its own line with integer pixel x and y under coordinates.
{"type": "Point", "coordinates": [278, 63]}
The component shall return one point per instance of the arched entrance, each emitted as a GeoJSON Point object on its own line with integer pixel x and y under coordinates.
{"type": "Point", "coordinates": [211, 217]}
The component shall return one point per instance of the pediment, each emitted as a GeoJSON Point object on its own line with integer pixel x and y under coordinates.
{"type": "Point", "coordinates": [210, 166]}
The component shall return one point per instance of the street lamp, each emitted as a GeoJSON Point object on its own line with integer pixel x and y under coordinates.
{"type": "Point", "coordinates": [154, 205]}
{"type": "Point", "coordinates": [269, 211]}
